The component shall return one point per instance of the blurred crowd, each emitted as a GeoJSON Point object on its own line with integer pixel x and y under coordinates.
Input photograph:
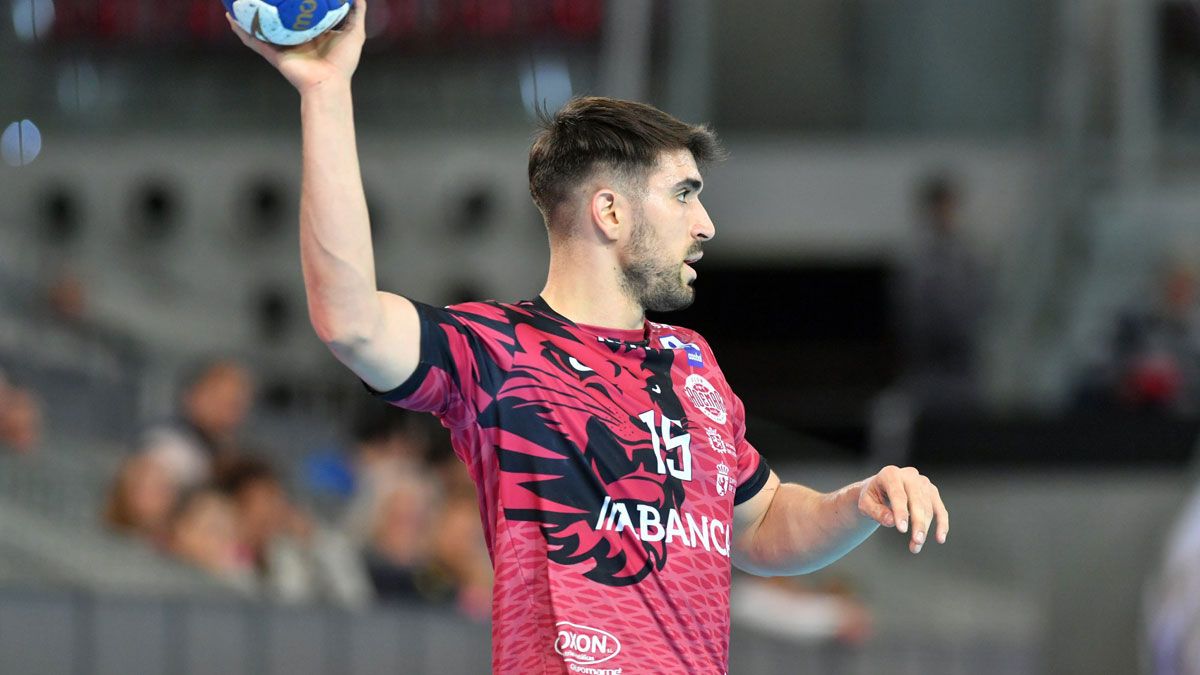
{"type": "Point", "coordinates": [1144, 358]}
{"type": "Point", "coordinates": [1149, 358]}
{"type": "Point", "coordinates": [404, 525]}
{"type": "Point", "coordinates": [20, 417]}
{"type": "Point", "coordinates": [398, 517]}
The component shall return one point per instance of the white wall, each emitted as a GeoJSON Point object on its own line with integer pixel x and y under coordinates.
{"type": "Point", "coordinates": [829, 199]}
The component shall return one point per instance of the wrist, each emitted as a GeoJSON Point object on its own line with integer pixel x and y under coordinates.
{"type": "Point", "coordinates": [850, 497]}
{"type": "Point", "coordinates": [335, 85]}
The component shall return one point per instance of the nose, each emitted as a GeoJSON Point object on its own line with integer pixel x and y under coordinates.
{"type": "Point", "coordinates": [703, 229]}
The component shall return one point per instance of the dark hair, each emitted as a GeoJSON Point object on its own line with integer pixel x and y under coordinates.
{"type": "Point", "coordinates": [244, 472]}
{"type": "Point", "coordinates": [376, 421]}
{"type": "Point", "coordinates": [936, 191]}
{"type": "Point", "coordinates": [188, 499]}
{"type": "Point", "coordinates": [198, 371]}
{"type": "Point", "coordinates": [623, 136]}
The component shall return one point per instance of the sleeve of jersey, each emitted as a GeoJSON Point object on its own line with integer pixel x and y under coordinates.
{"type": "Point", "coordinates": [454, 360]}
{"type": "Point", "coordinates": [752, 470]}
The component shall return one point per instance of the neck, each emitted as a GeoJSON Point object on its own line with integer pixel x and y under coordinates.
{"type": "Point", "coordinates": [587, 289]}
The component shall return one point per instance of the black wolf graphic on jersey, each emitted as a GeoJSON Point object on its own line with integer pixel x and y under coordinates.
{"type": "Point", "coordinates": [581, 446]}
{"type": "Point", "coordinates": [575, 466]}
{"type": "Point", "coordinates": [565, 440]}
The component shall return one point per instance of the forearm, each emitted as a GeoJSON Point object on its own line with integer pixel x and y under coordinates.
{"type": "Point", "coordinates": [335, 234]}
{"type": "Point", "coordinates": [804, 530]}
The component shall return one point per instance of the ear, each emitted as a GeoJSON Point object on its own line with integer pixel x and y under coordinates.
{"type": "Point", "coordinates": [608, 210]}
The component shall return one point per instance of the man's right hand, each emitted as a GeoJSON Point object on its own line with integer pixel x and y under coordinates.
{"type": "Point", "coordinates": [332, 56]}
{"type": "Point", "coordinates": [376, 334]}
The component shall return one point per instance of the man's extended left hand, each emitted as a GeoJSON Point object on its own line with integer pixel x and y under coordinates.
{"type": "Point", "coordinates": [898, 498]}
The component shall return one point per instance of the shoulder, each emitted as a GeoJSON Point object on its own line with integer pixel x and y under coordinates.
{"type": "Point", "coordinates": [494, 320]}
{"type": "Point", "coordinates": [476, 308]}
{"type": "Point", "coordinates": [476, 313]}
{"type": "Point", "coordinates": [493, 309]}
{"type": "Point", "coordinates": [666, 334]}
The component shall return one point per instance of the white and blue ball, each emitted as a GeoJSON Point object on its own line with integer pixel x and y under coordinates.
{"type": "Point", "coordinates": [287, 22]}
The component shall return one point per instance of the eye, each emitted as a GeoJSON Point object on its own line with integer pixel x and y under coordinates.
{"type": "Point", "coordinates": [683, 195]}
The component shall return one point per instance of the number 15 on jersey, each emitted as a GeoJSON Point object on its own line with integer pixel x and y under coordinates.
{"type": "Point", "coordinates": [661, 435]}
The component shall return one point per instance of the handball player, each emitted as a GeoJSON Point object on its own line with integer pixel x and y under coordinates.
{"type": "Point", "coordinates": [616, 485]}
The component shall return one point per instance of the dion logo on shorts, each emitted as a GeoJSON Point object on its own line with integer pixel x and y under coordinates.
{"type": "Point", "coordinates": [584, 645]}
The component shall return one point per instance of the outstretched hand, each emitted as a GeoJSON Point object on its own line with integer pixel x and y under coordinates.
{"type": "Point", "coordinates": [329, 57]}
{"type": "Point", "coordinates": [901, 498]}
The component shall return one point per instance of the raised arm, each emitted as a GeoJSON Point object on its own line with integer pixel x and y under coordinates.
{"type": "Point", "coordinates": [376, 334]}
{"type": "Point", "coordinates": [790, 529]}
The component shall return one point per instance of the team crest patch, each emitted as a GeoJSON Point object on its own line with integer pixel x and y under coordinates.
{"type": "Point", "coordinates": [725, 482]}
{"type": "Point", "coordinates": [718, 443]}
{"type": "Point", "coordinates": [705, 397]}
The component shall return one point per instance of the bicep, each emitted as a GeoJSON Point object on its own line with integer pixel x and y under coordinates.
{"type": "Point", "coordinates": [748, 515]}
{"type": "Point", "coordinates": [389, 354]}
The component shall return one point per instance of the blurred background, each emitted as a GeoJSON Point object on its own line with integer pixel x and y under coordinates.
{"type": "Point", "coordinates": [959, 235]}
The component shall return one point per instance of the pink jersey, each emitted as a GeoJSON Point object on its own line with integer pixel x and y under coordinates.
{"type": "Point", "coordinates": [608, 463]}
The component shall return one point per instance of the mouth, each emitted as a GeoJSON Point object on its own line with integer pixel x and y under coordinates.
{"type": "Point", "coordinates": [687, 264]}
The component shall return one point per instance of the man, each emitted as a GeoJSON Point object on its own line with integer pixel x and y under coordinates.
{"type": "Point", "coordinates": [944, 298]}
{"type": "Point", "coordinates": [296, 560]}
{"type": "Point", "coordinates": [615, 480]}
{"type": "Point", "coordinates": [214, 399]}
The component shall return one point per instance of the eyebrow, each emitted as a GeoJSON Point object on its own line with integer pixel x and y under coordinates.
{"type": "Point", "coordinates": [693, 184]}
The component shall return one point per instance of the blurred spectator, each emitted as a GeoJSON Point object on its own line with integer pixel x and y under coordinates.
{"type": "Point", "coordinates": [795, 609]}
{"type": "Point", "coordinates": [426, 541]}
{"type": "Point", "coordinates": [202, 531]}
{"type": "Point", "coordinates": [943, 297]}
{"type": "Point", "coordinates": [1179, 63]}
{"type": "Point", "coordinates": [1153, 361]}
{"type": "Point", "coordinates": [1173, 599]}
{"type": "Point", "coordinates": [398, 547]}
{"type": "Point", "coordinates": [20, 418]}
{"type": "Point", "coordinates": [66, 298]}
{"type": "Point", "coordinates": [140, 500]}
{"type": "Point", "coordinates": [460, 557]}
{"type": "Point", "coordinates": [214, 401]}
{"type": "Point", "coordinates": [394, 503]}
{"type": "Point", "coordinates": [296, 560]}
{"type": "Point", "coordinates": [388, 443]}
{"type": "Point", "coordinates": [388, 437]}
{"type": "Point", "coordinates": [262, 509]}
{"type": "Point", "coordinates": [63, 304]}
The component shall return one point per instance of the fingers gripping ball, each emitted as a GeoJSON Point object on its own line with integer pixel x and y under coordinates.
{"type": "Point", "coordinates": [287, 22]}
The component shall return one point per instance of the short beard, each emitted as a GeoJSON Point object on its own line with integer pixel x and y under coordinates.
{"type": "Point", "coordinates": [656, 286]}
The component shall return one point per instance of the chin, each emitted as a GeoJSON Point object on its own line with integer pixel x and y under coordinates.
{"type": "Point", "coordinates": [672, 303]}
{"type": "Point", "coordinates": [685, 299]}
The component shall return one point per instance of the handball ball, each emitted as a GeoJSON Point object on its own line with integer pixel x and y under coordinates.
{"type": "Point", "coordinates": [287, 22]}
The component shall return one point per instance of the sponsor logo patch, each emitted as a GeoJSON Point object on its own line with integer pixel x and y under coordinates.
{"type": "Point", "coordinates": [705, 397]}
{"type": "Point", "coordinates": [649, 524]}
{"type": "Point", "coordinates": [694, 356]}
{"type": "Point", "coordinates": [584, 645]}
